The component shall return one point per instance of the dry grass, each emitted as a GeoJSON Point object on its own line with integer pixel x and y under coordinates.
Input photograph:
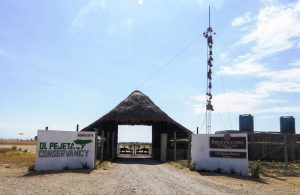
{"type": "Point", "coordinates": [18, 142]}
{"type": "Point", "coordinates": [278, 169]}
{"type": "Point", "coordinates": [178, 164]}
{"type": "Point", "coordinates": [13, 157]}
{"type": "Point", "coordinates": [105, 165]}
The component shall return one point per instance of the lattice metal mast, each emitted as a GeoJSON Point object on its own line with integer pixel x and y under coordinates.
{"type": "Point", "coordinates": [209, 107]}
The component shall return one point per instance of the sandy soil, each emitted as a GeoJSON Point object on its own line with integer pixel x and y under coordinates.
{"type": "Point", "coordinates": [137, 176]}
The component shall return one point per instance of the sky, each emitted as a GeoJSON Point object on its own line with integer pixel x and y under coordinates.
{"type": "Point", "coordinates": [70, 62]}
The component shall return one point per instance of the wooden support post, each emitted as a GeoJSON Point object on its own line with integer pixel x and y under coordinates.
{"type": "Point", "coordinates": [102, 145]}
{"type": "Point", "coordinates": [107, 144]}
{"type": "Point", "coordinates": [197, 130]}
{"type": "Point", "coordinates": [189, 149]}
{"type": "Point", "coordinates": [96, 148]}
{"type": "Point", "coordinates": [264, 151]}
{"type": "Point", "coordinates": [112, 145]}
{"type": "Point", "coordinates": [175, 154]}
{"type": "Point", "coordinates": [285, 152]}
{"type": "Point", "coordinates": [293, 148]}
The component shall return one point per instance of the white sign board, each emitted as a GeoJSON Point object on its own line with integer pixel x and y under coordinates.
{"type": "Point", "coordinates": [221, 152]}
{"type": "Point", "coordinates": [58, 150]}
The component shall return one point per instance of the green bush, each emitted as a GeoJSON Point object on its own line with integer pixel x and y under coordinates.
{"type": "Point", "coordinates": [4, 150]}
{"type": "Point", "coordinates": [192, 166]}
{"type": "Point", "coordinates": [31, 168]}
{"type": "Point", "coordinates": [14, 148]}
{"type": "Point", "coordinates": [256, 169]}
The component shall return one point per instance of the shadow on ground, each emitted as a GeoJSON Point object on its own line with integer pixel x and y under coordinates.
{"type": "Point", "coordinates": [248, 178]}
{"type": "Point", "coordinates": [38, 173]}
{"type": "Point", "coordinates": [145, 161]}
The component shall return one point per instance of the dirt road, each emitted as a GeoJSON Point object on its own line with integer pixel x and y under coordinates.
{"type": "Point", "coordinates": [130, 176]}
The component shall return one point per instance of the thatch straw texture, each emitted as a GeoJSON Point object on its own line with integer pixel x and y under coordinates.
{"type": "Point", "coordinates": [136, 109]}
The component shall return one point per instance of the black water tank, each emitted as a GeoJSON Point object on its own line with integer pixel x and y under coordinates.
{"type": "Point", "coordinates": [246, 123]}
{"type": "Point", "coordinates": [287, 124]}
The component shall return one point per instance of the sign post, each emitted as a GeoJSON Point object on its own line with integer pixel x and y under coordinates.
{"type": "Point", "coordinates": [58, 150]}
{"type": "Point", "coordinates": [225, 152]}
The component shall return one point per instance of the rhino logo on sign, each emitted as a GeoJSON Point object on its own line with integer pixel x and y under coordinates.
{"type": "Point", "coordinates": [82, 142]}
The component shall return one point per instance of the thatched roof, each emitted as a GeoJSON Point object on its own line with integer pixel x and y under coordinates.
{"type": "Point", "coordinates": [136, 109]}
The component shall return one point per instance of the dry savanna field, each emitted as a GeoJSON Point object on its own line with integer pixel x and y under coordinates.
{"type": "Point", "coordinates": [132, 177]}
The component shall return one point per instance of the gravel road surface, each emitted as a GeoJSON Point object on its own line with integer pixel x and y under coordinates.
{"type": "Point", "coordinates": [126, 176]}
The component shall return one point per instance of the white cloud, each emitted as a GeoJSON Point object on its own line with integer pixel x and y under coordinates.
{"type": "Point", "coordinates": [129, 22]}
{"type": "Point", "coordinates": [238, 102]}
{"type": "Point", "coordinates": [243, 68]}
{"type": "Point", "coordinates": [223, 56]}
{"type": "Point", "coordinates": [281, 109]}
{"type": "Point", "coordinates": [296, 63]}
{"type": "Point", "coordinates": [279, 86]}
{"type": "Point", "coordinates": [140, 2]}
{"type": "Point", "coordinates": [291, 74]}
{"type": "Point", "coordinates": [91, 6]}
{"type": "Point", "coordinates": [216, 4]}
{"type": "Point", "coordinates": [281, 81]}
{"type": "Point", "coordinates": [244, 102]}
{"type": "Point", "coordinates": [246, 18]}
{"type": "Point", "coordinates": [275, 27]}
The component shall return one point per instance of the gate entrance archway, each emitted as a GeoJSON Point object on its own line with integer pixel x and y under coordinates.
{"type": "Point", "coordinates": [134, 141]}
{"type": "Point", "coordinates": [139, 109]}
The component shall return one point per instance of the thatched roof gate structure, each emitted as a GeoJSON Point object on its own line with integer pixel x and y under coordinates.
{"type": "Point", "coordinates": [139, 109]}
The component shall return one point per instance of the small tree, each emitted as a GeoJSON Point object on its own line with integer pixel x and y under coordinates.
{"type": "Point", "coordinates": [82, 142]}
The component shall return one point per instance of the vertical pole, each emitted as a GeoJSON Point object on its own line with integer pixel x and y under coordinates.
{"type": "Point", "coordinates": [107, 144]}
{"type": "Point", "coordinates": [197, 130]}
{"type": "Point", "coordinates": [285, 152]}
{"type": "Point", "coordinates": [112, 145]}
{"type": "Point", "coordinates": [77, 127]}
{"type": "Point", "coordinates": [96, 148]}
{"type": "Point", "coordinates": [292, 157]}
{"type": "Point", "coordinates": [264, 151]}
{"type": "Point", "coordinates": [46, 128]}
{"type": "Point", "coordinates": [175, 154]}
{"type": "Point", "coordinates": [209, 16]}
{"type": "Point", "coordinates": [189, 148]}
{"type": "Point", "coordinates": [102, 145]}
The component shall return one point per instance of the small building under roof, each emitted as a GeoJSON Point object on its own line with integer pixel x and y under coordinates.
{"type": "Point", "coordinates": [139, 109]}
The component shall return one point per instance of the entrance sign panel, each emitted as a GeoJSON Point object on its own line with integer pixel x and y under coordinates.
{"type": "Point", "coordinates": [222, 154]}
{"type": "Point", "coordinates": [58, 150]}
{"type": "Point", "coordinates": [226, 152]}
{"type": "Point", "coordinates": [227, 142]}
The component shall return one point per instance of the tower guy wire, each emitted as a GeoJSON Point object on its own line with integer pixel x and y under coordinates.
{"type": "Point", "coordinates": [180, 52]}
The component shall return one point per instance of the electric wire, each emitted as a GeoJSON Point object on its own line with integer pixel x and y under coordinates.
{"type": "Point", "coordinates": [272, 97]}
{"type": "Point", "coordinates": [168, 62]}
{"type": "Point", "coordinates": [223, 87]}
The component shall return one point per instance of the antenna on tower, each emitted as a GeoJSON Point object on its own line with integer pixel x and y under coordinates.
{"type": "Point", "coordinates": [209, 107]}
{"type": "Point", "coordinates": [209, 16]}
